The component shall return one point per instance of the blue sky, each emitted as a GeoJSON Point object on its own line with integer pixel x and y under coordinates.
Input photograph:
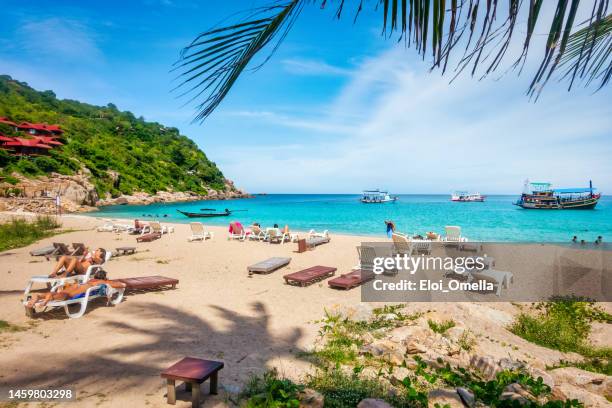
{"type": "Point", "coordinates": [337, 109]}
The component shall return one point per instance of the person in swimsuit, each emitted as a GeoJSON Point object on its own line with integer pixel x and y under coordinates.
{"type": "Point", "coordinates": [70, 290]}
{"type": "Point", "coordinates": [390, 228]}
{"type": "Point", "coordinates": [78, 266]}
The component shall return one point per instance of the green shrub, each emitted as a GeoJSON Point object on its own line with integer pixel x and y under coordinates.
{"type": "Point", "coordinates": [18, 232]}
{"type": "Point", "coordinates": [564, 324]}
{"type": "Point", "coordinates": [271, 391]}
{"type": "Point", "coordinates": [440, 328]}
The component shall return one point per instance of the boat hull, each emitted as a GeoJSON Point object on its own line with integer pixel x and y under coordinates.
{"type": "Point", "coordinates": [586, 204]}
{"type": "Point", "coordinates": [203, 215]}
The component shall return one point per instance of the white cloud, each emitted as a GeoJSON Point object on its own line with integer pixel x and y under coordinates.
{"type": "Point", "coordinates": [416, 133]}
{"type": "Point", "coordinates": [59, 39]}
{"type": "Point", "coordinates": [302, 66]}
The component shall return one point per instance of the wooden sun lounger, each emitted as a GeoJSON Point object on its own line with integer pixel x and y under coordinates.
{"type": "Point", "coordinates": [148, 282]}
{"type": "Point", "coordinates": [269, 265]}
{"type": "Point", "coordinates": [351, 280]}
{"type": "Point", "coordinates": [309, 276]}
{"type": "Point", "coordinates": [315, 241]}
{"type": "Point", "coordinates": [148, 237]}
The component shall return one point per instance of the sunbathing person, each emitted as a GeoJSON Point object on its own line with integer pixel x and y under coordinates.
{"type": "Point", "coordinates": [70, 290]}
{"type": "Point", "coordinates": [78, 266]}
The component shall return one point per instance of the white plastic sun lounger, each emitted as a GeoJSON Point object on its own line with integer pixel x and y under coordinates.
{"type": "Point", "coordinates": [115, 297]}
{"type": "Point", "coordinates": [402, 244]}
{"type": "Point", "coordinates": [56, 282]}
{"type": "Point", "coordinates": [313, 234]}
{"type": "Point", "coordinates": [198, 233]}
{"type": "Point", "coordinates": [276, 235]}
{"type": "Point", "coordinates": [257, 234]}
{"type": "Point", "coordinates": [239, 234]}
{"type": "Point", "coordinates": [453, 234]}
{"type": "Point", "coordinates": [501, 279]}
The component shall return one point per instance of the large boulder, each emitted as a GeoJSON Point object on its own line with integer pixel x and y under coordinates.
{"type": "Point", "coordinates": [386, 349]}
{"type": "Point", "coordinates": [444, 398]}
{"type": "Point", "coordinates": [373, 403]}
{"type": "Point", "coordinates": [599, 384]}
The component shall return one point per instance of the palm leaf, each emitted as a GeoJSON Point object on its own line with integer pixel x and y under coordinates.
{"type": "Point", "coordinates": [212, 63]}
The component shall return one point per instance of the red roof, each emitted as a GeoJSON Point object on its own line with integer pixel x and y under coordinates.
{"type": "Point", "coordinates": [40, 126]}
{"type": "Point", "coordinates": [4, 138]}
{"type": "Point", "coordinates": [18, 141]}
{"type": "Point", "coordinates": [48, 140]}
{"type": "Point", "coordinates": [6, 121]}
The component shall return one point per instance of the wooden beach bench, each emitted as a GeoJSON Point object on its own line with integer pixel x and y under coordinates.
{"type": "Point", "coordinates": [149, 282]}
{"type": "Point", "coordinates": [351, 280]}
{"type": "Point", "coordinates": [149, 237]}
{"type": "Point", "coordinates": [309, 276]}
{"type": "Point", "coordinates": [268, 266]}
{"type": "Point", "coordinates": [193, 372]}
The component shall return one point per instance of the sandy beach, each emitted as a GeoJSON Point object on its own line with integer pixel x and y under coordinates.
{"type": "Point", "coordinates": [113, 356]}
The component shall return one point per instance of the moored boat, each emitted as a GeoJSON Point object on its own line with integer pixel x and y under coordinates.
{"type": "Point", "coordinates": [541, 196]}
{"type": "Point", "coordinates": [466, 197]}
{"type": "Point", "coordinates": [207, 214]}
{"type": "Point", "coordinates": [376, 197]}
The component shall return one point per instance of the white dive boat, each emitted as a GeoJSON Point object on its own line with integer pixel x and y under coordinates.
{"type": "Point", "coordinates": [464, 196]}
{"type": "Point", "coordinates": [376, 197]}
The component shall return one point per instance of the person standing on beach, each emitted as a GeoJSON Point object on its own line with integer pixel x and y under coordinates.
{"type": "Point", "coordinates": [390, 228]}
{"type": "Point", "coordinates": [58, 204]}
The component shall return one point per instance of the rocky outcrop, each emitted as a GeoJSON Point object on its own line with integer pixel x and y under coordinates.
{"type": "Point", "coordinates": [77, 193]}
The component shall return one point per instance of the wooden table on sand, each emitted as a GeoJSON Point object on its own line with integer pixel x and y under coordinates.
{"type": "Point", "coordinates": [193, 372]}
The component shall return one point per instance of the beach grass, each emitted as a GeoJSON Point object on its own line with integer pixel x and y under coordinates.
{"type": "Point", "coordinates": [564, 324]}
{"type": "Point", "coordinates": [18, 232]}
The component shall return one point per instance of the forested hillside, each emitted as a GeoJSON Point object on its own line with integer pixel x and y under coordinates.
{"type": "Point", "coordinates": [124, 153]}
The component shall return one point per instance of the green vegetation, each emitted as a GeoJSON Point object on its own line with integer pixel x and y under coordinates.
{"type": "Point", "coordinates": [148, 156]}
{"type": "Point", "coordinates": [564, 324]}
{"type": "Point", "coordinates": [442, 327]}
{"type": "Point", "coordinates": [9, 328]}
{"type": "Point", "coordinates": [18, 232]}
{"type": "Point", "coordinates": [271, 391]}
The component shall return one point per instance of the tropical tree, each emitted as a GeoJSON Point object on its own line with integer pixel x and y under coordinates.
{"type": "Point", "coordinates": [477, 32]}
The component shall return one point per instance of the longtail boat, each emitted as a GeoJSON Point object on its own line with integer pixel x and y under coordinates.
{"type": "Point", "coordinates": [541, 196]}
{"type": "Point", "coordinates": [207, 214]}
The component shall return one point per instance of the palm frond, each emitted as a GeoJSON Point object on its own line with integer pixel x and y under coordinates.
{"type": "Point", "coordinates": [214, 60]}
{"type": "Point", "coordinates": [588, 53]}
{"type": "Point", "coordinates": [483, 30]}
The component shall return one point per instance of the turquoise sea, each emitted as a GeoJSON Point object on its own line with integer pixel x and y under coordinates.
{"type": "Point", "coordinates": [494, 220]}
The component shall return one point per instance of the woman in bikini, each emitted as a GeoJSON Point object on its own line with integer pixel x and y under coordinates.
{"type": "Point", "coordinates": [78, 266]}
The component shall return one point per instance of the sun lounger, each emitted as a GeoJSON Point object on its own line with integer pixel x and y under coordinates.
{"type": "Point", "coordinates": [402, 244]}
{"type": "Point", "coordinates": [351, 280]}
{"type": "Point", "coordinates": [309, 276]}
{"type": "Point", "coordinates": [114, 295]}
{"type": "Point", "coordinates": [198, 233]}
{"type": "Point", "coordinates": [257, 234]}
{"type": "Point", "coordinates": [453, 234]}
{"type": "Point", "coordinates": [46, 251]}
{"type": "Point", "coordinates": [315, 241]}
{"type": "Point", "coordinates": [53, 283]}
{"type": "Point", "coordinates": [148, 282]}
{"type": "Point", "coordinates": [276, 235]}
{"type": "Point", "coordinates": [152, 236]}
{"type": "Point", "coordinates": [78, 249]}
{"type": "Point", "coordinates": [269, 265]}
{"type": "Point", "coordinates": [236, 231]}
{"type": "Point", "coordinates": [156, 227]}
{"type": "Point", "coordinates": [421, 246]}
{"type": "Point", "coordinates": [501, 279]}
{"type": "Point", "coordinates": [313, 234]}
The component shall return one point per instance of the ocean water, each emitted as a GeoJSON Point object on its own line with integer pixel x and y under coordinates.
{"type": "Point", "coordinates": [494, 220]}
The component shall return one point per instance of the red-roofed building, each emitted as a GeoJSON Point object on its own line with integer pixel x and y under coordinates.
{"type": "Point", "coordinates": [27, 147]}
{"type": "Point", "coordinates": [41, 129]}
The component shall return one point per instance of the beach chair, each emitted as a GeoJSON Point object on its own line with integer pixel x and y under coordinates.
{"type": "Point", "coordinates": [151, 236]}
{"type": "Point", "coordinates": [276, 235]}
{"type": "Point", "coordinates": [402, 244]}
{"type": "Point", "coordinates": [351, 280]}
{"type": "Point", "coordinates": [198, 233]}
{"type": "Point", "coordinates": [236, 231]}
{"type": "Point", "coordinates": [46, 251]}
{"type": "Point", "coordinates": [309, 276]}
{"type": "Point", "coordinates": [421, 246]}
{"type": "Point", "coordinates": [314, 234]}
{"type": "Point", "coordinates": [257, 234]}
{"type": "Point", "coordinates": [156, 227]}
{"type": "Point", "coordinates": [453, 234]}
{"type": "Point", "coordinates": [500, 279]}
{"type": "Point", "coordinates": [53, 283]}
{"type": "Point", "coordinates": [106, 227]}
{"type": "Point", "coordinates": [268, 266]}
{"type": "Point", "coordinates": [143, 283]}
{"type": "Point", "coordinates": [78, 249]}
{"type": "Point", "coordinates": [114, 295]}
